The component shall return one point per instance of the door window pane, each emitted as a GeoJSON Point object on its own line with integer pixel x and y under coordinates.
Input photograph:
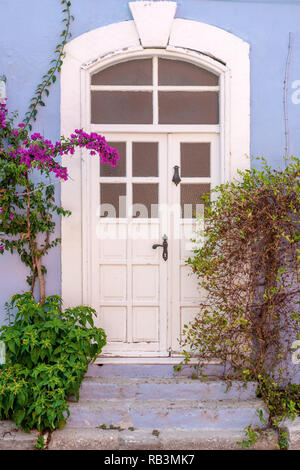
{"type": "Point", "coordinates": [120, 169]}
{"type": "Point", "coordinates": [121, 107]}
{"type": "Point", "coordinates": [133, 72]}
{"type": "Point", "coordinates": [145, 200]}
{"type": "Point", "coordinates": [145, 159]}
{"type": "Point", "coordinates": [188, 107]}
{"type": "Point", "coordinates": [174, 72]}
{"type": "Point", "coordinates": [190, 195]}
{"type": "Point", "coordinates": [113, 200]}
{"type": "Point", "coordinates": [195, 159]}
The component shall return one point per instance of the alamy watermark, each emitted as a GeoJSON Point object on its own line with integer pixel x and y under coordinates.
{"type": "Point", "coordinates": [136, 222]}
{"type": "Point", "coordinates": [296, 93]}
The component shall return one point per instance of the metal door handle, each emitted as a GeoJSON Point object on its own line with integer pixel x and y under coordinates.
{"type": "Point", "coordinates": [164, 246]}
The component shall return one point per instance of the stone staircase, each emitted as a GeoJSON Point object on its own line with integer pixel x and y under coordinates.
{"type": "Point", "coordinates": [146, 407]}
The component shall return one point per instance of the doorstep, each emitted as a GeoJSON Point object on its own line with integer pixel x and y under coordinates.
{"type": "Point", "coordinates": [165, 439]}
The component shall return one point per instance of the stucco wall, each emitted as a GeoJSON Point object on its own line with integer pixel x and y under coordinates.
{"type": "Point", "coordinates": [29, 34]}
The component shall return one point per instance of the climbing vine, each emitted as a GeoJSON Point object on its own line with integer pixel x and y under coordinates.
{"type": "Point", "coordinates": [248, 263]}
{"type": "Point", "coordinates": [55, 66]}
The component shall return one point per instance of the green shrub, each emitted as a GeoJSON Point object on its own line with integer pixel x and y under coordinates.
{"type": "Point", "coordinates": [47, 355]}
{"type": "Point", "coordinates": [248, 262]}
{"type": "Point", "coordinates": [281, 401]}
{"type": "Point", "coordinates": [249, 266]}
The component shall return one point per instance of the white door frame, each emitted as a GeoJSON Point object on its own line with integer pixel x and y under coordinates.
{"type": "Point", "coordinates": [202, 44]}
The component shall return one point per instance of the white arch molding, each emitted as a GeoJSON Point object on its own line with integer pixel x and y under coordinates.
{"type": "Point", "coordinates": [203, 44]}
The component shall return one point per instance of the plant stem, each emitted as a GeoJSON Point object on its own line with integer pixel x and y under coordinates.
{"type": "Point", "coordinates": [50, 77]}
{"type": "Point", "coordinates": [30, 240]}
{"type": "Point", "coordinates": [41, 279]}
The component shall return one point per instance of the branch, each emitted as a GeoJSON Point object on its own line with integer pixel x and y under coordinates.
{"type": "Point", "coordinates": [50, 77]}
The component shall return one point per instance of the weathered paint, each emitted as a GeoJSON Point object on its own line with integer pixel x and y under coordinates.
{"type": "Point", "coordinates": [171, 388]}
{"type": "Point", "coordinates": [166, 414]}
{"type": "Point", "coordinates": [29, 34]}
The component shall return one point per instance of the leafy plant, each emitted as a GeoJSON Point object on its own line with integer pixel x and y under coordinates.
{"type": "Point", "coordinates": [261, 416]}
{"type": "Point", "coordinates": [252, 437]}
{"type": "Point", "coordinates": [40, 443]}
{"type": "Point", "coordinates": [249, 268]}
{"type": "Point", "coordinates": [283, 440]}
{"type": "Point", "coordinates": [247, 260]}
{"type": "Point", "coordinates": [48, 352]}
{"type": "Point", "coordinates": [282, 401]}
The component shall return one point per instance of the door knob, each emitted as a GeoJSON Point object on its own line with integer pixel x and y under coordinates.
{"type": "Point", "coordinates": [164, 246]}
{"type": "Point", "coordinates": [176, 178]}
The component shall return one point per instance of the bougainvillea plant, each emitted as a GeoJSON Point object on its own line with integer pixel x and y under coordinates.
{"type": "Point", "coordinates": [29, 167]}
{"type": "Point", "coordinates": [38, 377]}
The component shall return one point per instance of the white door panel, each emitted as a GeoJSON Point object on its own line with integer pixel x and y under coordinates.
{"type": "Point", "coordinates": [143, 301]}
{"type": "Point", "coordinates": [129, 277]}
{"type": "Point", "coordinates": [196, 155]}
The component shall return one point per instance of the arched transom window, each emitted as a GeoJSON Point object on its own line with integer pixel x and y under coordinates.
{"type": "Point", "coordinates": [155, 90]}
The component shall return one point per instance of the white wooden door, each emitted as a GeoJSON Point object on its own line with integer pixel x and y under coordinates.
{"type": "Point", "coordinates": [132, 278]}
{"type": "Point", "coordinates": [143, 301]}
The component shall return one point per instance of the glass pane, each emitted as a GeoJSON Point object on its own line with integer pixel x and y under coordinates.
{"type": "Point", "coordinates": [145, 159]}
{"type": "Point", "coordinates": [174, 72]}
{"type": "Point", "coordinates": [120, 169]}
{"type": "Point", "coordinates": [143, 197]}
{"type": "Point", "coordinates": [188, 107]}
{"type": "Point", "coordinates": [195, 159]}
{"type": "Point", "coordinates": [190, 195]}
{"type": "Point", "coordinates": [133, 72]}
{"type": "Point", "coordinates": [121, 107]}
{"type": "Point", "coordinates": [113, 200]}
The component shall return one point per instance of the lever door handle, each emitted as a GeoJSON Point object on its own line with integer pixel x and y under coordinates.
{"type": "Point", "coordinates": [164, 246]}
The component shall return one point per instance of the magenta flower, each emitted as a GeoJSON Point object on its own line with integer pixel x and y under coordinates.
{"type": "Point", "coordinates": [38, 152]}
{"type": "Point", "coordinates": [1, 248]}
{"type": "Point", "coordinates": [11, 216]}
{"type": "Point", "coordinates": [41, 152]}
{"type": "Point", "coordinates": [3, 113]}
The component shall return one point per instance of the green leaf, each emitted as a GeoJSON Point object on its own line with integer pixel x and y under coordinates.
{"type": "Point", "coordinates": [18, 416]}
{"type": "Point", "coordinates": [21, 398]}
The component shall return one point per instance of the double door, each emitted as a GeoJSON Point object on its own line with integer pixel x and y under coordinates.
{"type": "Point", "coordinates": [142, 220]}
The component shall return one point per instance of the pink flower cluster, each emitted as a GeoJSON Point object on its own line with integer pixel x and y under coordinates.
{"type": "Point", "coordinates": [94, 142]}
{"type": "Point", "coordinates": [38, 151]}
{"type": "Point", "coordinates": [3, 113]}
{"type": "Point", "coordinates": [43, 152]}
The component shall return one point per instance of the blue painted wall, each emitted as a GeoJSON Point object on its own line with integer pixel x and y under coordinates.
{"type": "Point", "coordinates": [29, 34]}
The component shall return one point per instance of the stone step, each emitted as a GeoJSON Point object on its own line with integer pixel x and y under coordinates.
{"type": "Point", "coordinates": [162, 439]}
{"type": "Point", "coordinates": [164, 388]}
{"type": "Point", "coordinates": [150, 370]}
{"type": "Point", "coordinates": [13, 438]}
{"type": "Point", "coordinates": [292, 430]}
{"type": "Point", "coordinates": [154, 414]}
